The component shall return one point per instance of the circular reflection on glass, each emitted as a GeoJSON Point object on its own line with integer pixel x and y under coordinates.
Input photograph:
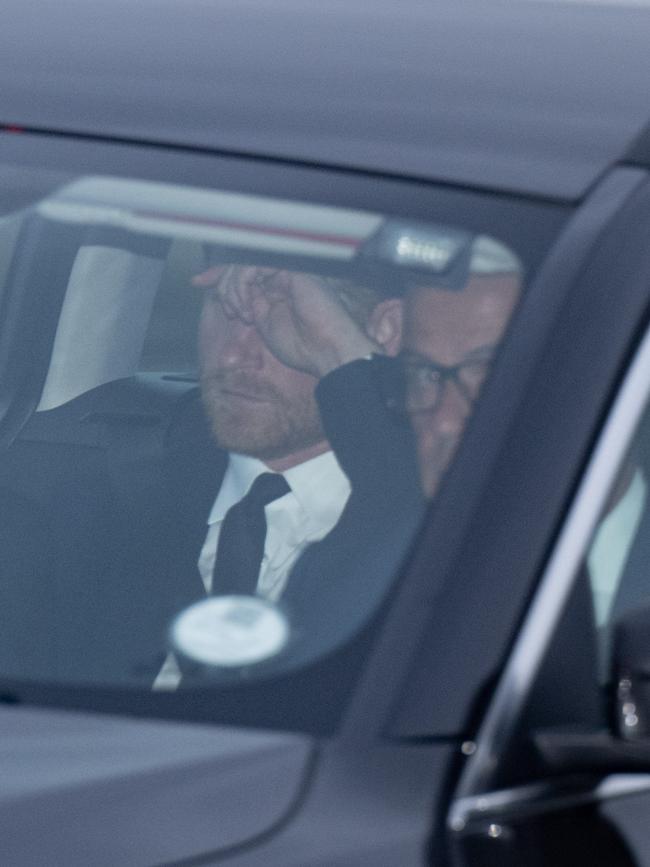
{"type": "Point", "coordinates": [229, 631]}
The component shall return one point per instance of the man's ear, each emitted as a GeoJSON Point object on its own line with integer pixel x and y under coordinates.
{"type": "Point", "coordinates": [385, 325]}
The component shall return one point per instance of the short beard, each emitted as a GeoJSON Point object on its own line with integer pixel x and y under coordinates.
{"type": "Point", "coordinates": [271, 430]}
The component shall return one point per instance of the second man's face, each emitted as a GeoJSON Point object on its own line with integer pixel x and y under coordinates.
{"type": "Point", "coordinates": [449, 329]}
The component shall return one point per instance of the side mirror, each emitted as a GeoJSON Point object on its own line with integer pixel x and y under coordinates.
{"type": "Point", "coordinates": [626, 747]}
{"type": "Point", "coordinates": [631, 676]}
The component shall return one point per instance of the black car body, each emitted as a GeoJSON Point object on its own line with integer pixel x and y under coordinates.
{"type": "Point", "coordinates": [477, 728]}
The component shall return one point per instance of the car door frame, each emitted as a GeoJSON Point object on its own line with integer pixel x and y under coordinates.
{"type": "Point", "coordinates": [479, 811]}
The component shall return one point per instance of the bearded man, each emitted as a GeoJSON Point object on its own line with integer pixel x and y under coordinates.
{"type": "Point", "coordinates": [307, 454]}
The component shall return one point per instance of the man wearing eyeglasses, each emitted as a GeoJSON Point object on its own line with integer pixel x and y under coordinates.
{"type": "Point", "coordinates": [449, 340]}
{"type": "Point", "coordinates": [371, 402]}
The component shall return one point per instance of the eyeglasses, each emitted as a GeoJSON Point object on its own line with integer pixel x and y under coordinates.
{"type": "Point", "coordinates": [417, 384]}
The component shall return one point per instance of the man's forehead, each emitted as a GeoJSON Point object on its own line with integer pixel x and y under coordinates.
{"type": "Point", "coordinates": [236, 270]}
{"type": "Point", "coordinates": [448, 325]}
{"type": "Point", "coordinates": [241, 272]}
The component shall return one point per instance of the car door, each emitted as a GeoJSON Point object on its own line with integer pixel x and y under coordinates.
{"type": "Point", "coordinates": [559, 772]}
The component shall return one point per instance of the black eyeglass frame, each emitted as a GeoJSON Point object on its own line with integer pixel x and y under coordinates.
{"type": "Point", "coordinates": [396, 381]}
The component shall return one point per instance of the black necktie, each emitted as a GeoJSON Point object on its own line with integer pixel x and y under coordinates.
{"type": "Point", "coordinates": [243, 533]}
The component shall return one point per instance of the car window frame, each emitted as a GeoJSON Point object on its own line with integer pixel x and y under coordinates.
{"type": "Point", "coordinates": [626, 401]}
{"type": "Point", "coordinates": [497, 536]}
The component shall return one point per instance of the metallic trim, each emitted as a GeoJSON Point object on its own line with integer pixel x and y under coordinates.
{"type": "Point", "coordinates": [504, 805]}
{"type": "Point", "coordinates": [489, 806]}
{"type": "Point", "coordinates": [546, 609]}
{"type": "Point", "coordinates": [619, 785]}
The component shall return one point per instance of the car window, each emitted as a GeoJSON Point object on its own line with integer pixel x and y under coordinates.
{"type": "Point", "coordinates": [227, 415]}
{"type": "Point", "coordinates": [617, 558]}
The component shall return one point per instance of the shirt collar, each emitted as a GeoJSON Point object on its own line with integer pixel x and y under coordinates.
{"type": "Point", "coordinates": [319, 485]}
{"type": "Point", "coordinates": [240, 474]}
{"type": "Point", "coordinates": [321, 488]}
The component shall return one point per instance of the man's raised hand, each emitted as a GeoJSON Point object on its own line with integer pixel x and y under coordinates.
{"type": "Point", "coordinates": [300, 318]}
{"type": "Point", "coordinates": [304, 323]}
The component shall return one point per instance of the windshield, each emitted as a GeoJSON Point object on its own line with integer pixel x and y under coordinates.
{"type": "Point", "coordinates": [226, 414]}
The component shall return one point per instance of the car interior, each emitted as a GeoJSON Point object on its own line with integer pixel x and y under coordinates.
{"type": "Point", "coordinates": [109, 416]}
{"type": "Point", "coordinates": [105, 434]}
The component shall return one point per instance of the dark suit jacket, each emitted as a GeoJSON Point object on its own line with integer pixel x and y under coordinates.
{"type": "Point", "coordinates": [120, 590]}
{"type": "Point", "coordinates": [27, 598]}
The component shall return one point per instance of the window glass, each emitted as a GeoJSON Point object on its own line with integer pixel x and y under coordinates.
{"type": "Point", "coordinates": [232, 411]}
{"type": "Point", "coordinates": [617, 558]}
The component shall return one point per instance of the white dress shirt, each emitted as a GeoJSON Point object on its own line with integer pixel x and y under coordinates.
{"type": "Point", "coordinates": [319, 492]}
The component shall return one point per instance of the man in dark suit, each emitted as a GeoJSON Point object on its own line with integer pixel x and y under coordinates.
{"type": "Point", "coordinates": [293, 383]}
{"type": "Point", "coordinates": [129, 548]}
{"type": "Point", "coordinates": [290, 385]}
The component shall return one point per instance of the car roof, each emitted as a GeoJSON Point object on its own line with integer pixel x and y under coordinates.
{"type": "Point", "coordinates": [532, 97]}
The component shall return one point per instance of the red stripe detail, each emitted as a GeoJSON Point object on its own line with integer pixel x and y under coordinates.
{"type": "Point", "coordinates": [344, 240]}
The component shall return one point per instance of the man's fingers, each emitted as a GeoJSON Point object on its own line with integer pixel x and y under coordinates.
{"type": "Point", "coordinates": [230, 311]}
{"type": "Point", "coordinates": [260, 304]}
{"type": "Point", "coordinates": [210, 277]}
{"type": "Point", "coordinates": [230, 292]}
{"type": "Point", "coordinates": [239, 296]}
